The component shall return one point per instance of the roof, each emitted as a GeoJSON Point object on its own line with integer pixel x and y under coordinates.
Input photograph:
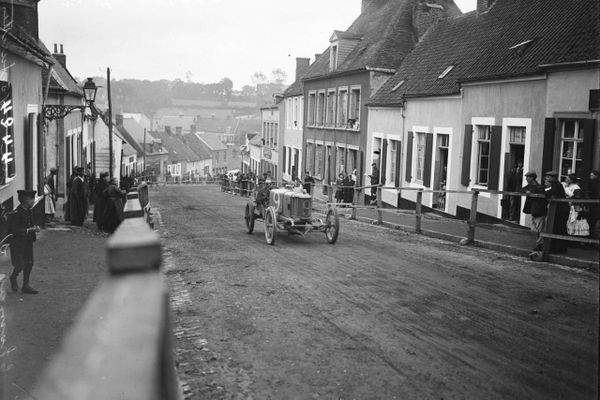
{"type": "Point", "coordinates": [513, 38]}
{"type": "Point", "coordinates": [178, 150]}
{"type": "Point", "coordinates": [387, 35]}
{"type": "Point", "coordinates": [135, 130]}
{"type": "Point", "coordinates": [198, 146]}
{"type": "Point", "coordinates": [62, 80]}
{"type": "Point", "coordinates": [128, 138]}
{"type": "Point", "coordinates": [212, 140]}
{"type": "Point", "coordinates": [18, 41]}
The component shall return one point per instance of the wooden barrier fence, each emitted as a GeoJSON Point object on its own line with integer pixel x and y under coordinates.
{"type": "Point", "coordinates": [120, 344]}
{"type": "Point", "coordinates": [472, 221]}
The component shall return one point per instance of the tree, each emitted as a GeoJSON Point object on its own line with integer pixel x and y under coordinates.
{"type": "Point", "coordinates": [258, 78]}
{"type": "Point", "coordinates": [226, 87]}
{"type": "Point", "coordinates": [278, 76]}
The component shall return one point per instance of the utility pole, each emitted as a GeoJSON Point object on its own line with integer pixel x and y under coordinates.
{"type": "Point", "coordinates": [145, 155]}
{"type": "Point", "coordinates": [110, 133]}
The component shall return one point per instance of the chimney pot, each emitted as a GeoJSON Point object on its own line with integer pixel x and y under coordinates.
{"type": "Point", "coordinates": [61, 49]}
{"type": "Point", "coordinates": [55, 48]}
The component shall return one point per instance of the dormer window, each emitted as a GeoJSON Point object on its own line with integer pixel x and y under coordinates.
{"type": "Point", "coordinates": [333, 57]}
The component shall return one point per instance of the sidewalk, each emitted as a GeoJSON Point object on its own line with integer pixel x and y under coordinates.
{"type": "Point", "coordinates": [513, 240]}
{"type": "Point", "coordinates": [69, 264]}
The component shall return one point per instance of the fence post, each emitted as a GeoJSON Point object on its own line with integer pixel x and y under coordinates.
{"type": "Point", "coordinates": [418, 211]}
{"type": "Point", "coordinates": [354, 203]}
{"type": "Point", "coordinates": [329, 193]}
{"type": "Point", "coordinates": [472, 220]}
{"type": "Point", "coordinates": [379, 206]}
{"type": "Point", "coordinates": [549, 229]}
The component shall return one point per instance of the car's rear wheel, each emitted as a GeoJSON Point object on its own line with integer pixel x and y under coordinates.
{"type": "Point", "coordinates": [332, 225]}
{"type": "Point", "coordinates": [270, 225]}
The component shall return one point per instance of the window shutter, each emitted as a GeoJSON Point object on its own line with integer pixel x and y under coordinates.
{"type": "Point", "coordinates": [409, 150]}
{"type": "Point", "coordinates": [548, 147]}
{"type": "Point", "coordinates": [361, 166]}
{"type": "Point", "coordinates": [495, 147]}
{"type": "Point", "coordinates": [428, 154]}
{"type": "Point", "coordinates": [466, 162]}
{"type": "Point", "coordinates": [588, 150]}
{"type": "Point", "coordinates": [285, 150]}
{"type": "Point", "coordinates": [398, 159]}
{"type": "Point", "coordinates": [383, 170]}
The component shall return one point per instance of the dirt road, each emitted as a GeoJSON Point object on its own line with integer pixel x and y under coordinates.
{"type": "Point", "coordinates": [378, 315]}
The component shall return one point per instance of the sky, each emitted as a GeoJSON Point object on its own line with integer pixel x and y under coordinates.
{"type": "Point", "coordinates": [199, 40]}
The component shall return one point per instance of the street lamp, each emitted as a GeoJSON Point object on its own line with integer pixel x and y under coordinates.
{"type": "Point", "coordinates": [53, 112]}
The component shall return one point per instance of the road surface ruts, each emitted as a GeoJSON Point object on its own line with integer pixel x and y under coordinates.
{"type": "Point", "coordinates": [378, 315]}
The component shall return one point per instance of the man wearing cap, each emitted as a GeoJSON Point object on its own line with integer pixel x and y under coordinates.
{"type": "Point", "coordinates": [536, 206]}
{"type": "Point", "coordinates": [374, 182]}
{"type": "Point", "coordinates": [554, 190]}
{"type": "Point", "coordinates": [20, 225]}
{"type": "Point", "coordinates": [77, 199]}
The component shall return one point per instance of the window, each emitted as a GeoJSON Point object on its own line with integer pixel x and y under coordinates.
{"type": "Point", "coordinates": [319, 161]}
{"type": "Point", "coordinates": [354, 114]}
{"type": "Point", "coordinates": [420, 143]}
{"type": "Point", "coordinates": [312, 98]}
{"type": "Point", "coordinates": [329, 119]}
{"type": "Point", "coordinates": [310, 157]}
{"type": "Point", "coordinates": [333, 54]}
{"type": "Point", "coordinates": [295, 113]}
{"type": "Point", "coordinates": [342, 114]}
{"type": "Point", "coordinates": [516, 134]}
{"type": "Point", "coordinates": [321, 108]}
{"type": "Point", "coordinates": [483, 154]}
{"type": "Point", "coordinates": [571, 152]}
{"type": "Point", "coordinates": [393, 155]}
{"type": "Point", "coordinates": [289, 113]}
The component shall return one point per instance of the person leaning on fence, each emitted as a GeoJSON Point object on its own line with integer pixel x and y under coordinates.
{"type": "Point", "coordinates": [23, 231]}
{"type": "Point", "coordinates": [374, 182]}
{"type": "Point", "coordinates": [535, 206]}
{"type": "Point", "coordinates": [339, 192]}
{"type": "Point", "coordinates": [348, 188]}
{"type": "Point", "coordinates": [554, 190]}
{"type": "Point", "coordinates": [577, 224]}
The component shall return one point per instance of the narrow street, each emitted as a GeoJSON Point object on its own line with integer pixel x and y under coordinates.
{"type": "Point", "coordinates": [379, 315]}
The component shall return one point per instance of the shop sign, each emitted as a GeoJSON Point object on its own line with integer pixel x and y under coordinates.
{"type": "Point", "coordinates": [7, 146]}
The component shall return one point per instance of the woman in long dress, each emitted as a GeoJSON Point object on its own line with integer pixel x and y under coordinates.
{"type": "Point", "coordinates": [113, 213]}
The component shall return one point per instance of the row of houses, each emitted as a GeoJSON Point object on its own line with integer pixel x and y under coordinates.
{"type": "Point", "coordinates": [47, 125]}
{"type": "Point", "coordinates": [438, 99]}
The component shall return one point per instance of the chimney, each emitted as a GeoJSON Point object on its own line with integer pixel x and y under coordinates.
{"type": "Point", "coordinates": [301, 66]}
{"type": "Point", "coordinates": [484, 5]}
{"type": "Point", "coordinates": [24, 13]}
{"type": "Point", "coordinates": [119, 119]}
{"type": "Point", "coordinates": [60, 57]}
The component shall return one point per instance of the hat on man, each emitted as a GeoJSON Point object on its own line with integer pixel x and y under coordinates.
{"type": "Point", "coordinates": [532, 174]}
{"type": "Point", "coordinates": [26, 194]}
{"type": "Point", "coordinates": [373, 164]}
{"type": "Point", "coordinates": [551, 173]}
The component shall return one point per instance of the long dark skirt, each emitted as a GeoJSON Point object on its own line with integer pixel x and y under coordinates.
{"type": "Point", "coordinates": [113, 214]}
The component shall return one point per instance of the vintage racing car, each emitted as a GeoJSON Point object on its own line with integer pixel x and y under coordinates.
{"type": "Point", "coordinates": [287, 209]}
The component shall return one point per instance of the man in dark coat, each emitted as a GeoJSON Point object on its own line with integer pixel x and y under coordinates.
{"type": "Point", "coordinates": [554, 190]}
{"type": "Point", "coordinates": [20, 225]}
{"type": "Point", "coordinates": [374, 182]}
{"type": "Point", "coordinates": [77, 199]}
{"type": "Point", "coordinates": [536, 206]}
{"type": "Point", "coordinates": [308, 183]}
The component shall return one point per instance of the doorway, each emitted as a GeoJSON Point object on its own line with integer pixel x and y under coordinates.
{"type": "Point", "coordinates": [440, 175]}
